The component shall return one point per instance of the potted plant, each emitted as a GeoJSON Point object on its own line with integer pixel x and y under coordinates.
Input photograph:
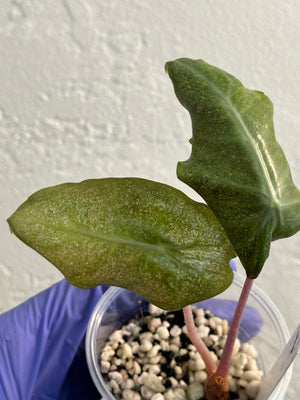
{"type": "Point", "coordinates": [152, 239]}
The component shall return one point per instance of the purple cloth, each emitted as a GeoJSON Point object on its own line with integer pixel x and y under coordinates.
{"type": "Point", "coordinates": [41, 345]}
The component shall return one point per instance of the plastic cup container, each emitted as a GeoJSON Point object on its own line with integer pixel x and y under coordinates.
{"type": "Point", "coordinates": [262, 325]}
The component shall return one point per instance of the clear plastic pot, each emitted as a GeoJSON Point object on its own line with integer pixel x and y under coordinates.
{"type": "Point", "coordinates": [262, 325]}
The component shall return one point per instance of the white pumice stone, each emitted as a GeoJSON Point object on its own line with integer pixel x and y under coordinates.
{"type": "Point", "coordinates": [243, 396]}
{"type": "Point", "coordinates": [154, 351]}
{"type": "Point", "coordinates": [146, 367]}
{"type": "Point", "coordinates": [237, 372]}
{"type": "Point", "coordinates": [136, 367]}
{"type": "Point", "coordinates": [135, 379]}
{"type": "Point", "coordinates": [113, 367]}
{"type": "Point", "coordinates": [182, 352]}
{"type": "Point", "coordinates": [200, 376]}
{"type": "Point", "coordinates": [134, 329]}
{"type": "Point", "coordinates": [200, 365]}
{"type": "Point", "coordinates": [214, 338]}
{"type": "Point", "coordinates": [231, 370]}
{"type": "Point", "coordinates": [145, 345]}
{"type": "Point", "coordinates": [158, 396]}
{"type": "Point", "coordinates": [198, 312]}
{"type": "Point", "coordinates": [250, 375]}
{"type": "Point", "coordinates": [155, 359]}
{"type": "Point", "coordinates": [124, 373]}
{"type": "Point", "coordinates": [153, 324]}
{"type": "Point", "coordinates": [163, 360]}
{"type": "Point", "coordinates": [143, 359]}
{"type": "Point", "coordinates": [178, 370]}
{"type": "Point", "coordinates": [212, 323]}
{"type": "Point", "coordinates": [217, 320]}
{"type": "Point", "coordinates": [191, 377]}
{"type": "Point", "coordinates": [128, 384]}
{"type": "Point", "coordinates": [252, 388]}
{"type": "Point", "coordinates": [130, 395]}
{"type": "Point", "coordinates": [191, 347]}
{"type": "Point", "coordinates": [114, 385]}
{"type": "Point", "coordinates": [184, 330]}
{"type": "Point", "coordinates": [146, 392]}
{"type": "Point", "coordinates": [165, 345]}
{"type": "Point", "coordinates": [220, 352]}
{"type": "Point", "coordinates": [192, 365]}
{"type": "Point", "coordinates": [105, 366]}
{"type": "Point", "coordinates": [208, 342]}
{"type": "Point", "coordinates": [225, 326]}
{"type": "Point", "coordinates": [153, 382]}
{"type": "Point", "coordinates": [180, 394]}
{"type": "Point", "coordinates": [251, 364]}
{"type": "Point", "coordinates": [203, 331]}
{"type": "Point", "coordinates": [117, 336]}
{"type": "Point", "coordinates": [116, 376]}
{"type": "Point", "coordinates": [119, 352]}
{"type": "Point", "coordinates": [129, 365]}
{"type": "Point", "coordinates": [242, 383]}
{"type": "Point", "coordinates": [239, 360]}
{"type": "Point", "coordinates": [214, 356]}
{"type": "Point", "coordinates": [126, 351]}
{"type": "Point", "coordinates": [170, 395]}
{"type": "Point", "coordinates": [156, 337]}
{"type": "Point", "coordinates": [154, 310]}
{"type": "Point", "coordinates": [163, 332]}
{"type": "Point", "coordinates": [174, 382]}
{"type": "Point", "coordinates": [222, 342]}
{"type": "Point", "coordinates": [146, 335]}
{"type": "Point", "coordinates": [232, 384]}
{"type": "Point", "coordinates": [107, 353]}
{"type": "Point", "coordinates": [195, 391]}
{"type": "Point", "coordinates": [141, 378]}
{"type": "Point", "coordinates": [175, 340]}
{"type": "Point", "coordinates": [236, 347]}
{"type": "Point", "coordinates": [201, 321]}
{"type": "Point", "coordinates": [182, 384]}
{"type": "Point", "coordinates": [249, 349]}
{"type": "Point", "coordinates": [135, 346]}
{"type": "Point", "coordinates": [175, 331]}
{"type": "Point", "coordinates": [219, 331]}
{"type": "Point", "coordinates": [174, 347]}
{"type": "Point", "coordinates": [154, 369]}
{"type": "Point", "coordinates": [113, 345]}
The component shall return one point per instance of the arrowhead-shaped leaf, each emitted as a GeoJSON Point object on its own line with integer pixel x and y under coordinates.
{"type": "Point", "coordinates": [236, 164]}
{"type": "Point", "coordinates": [142, 235]}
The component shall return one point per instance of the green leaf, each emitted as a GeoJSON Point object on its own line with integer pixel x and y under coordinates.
{"type": "Point", "coordinates": [142, 235]}
{"type": "Point", "coordinates": [236, 164]}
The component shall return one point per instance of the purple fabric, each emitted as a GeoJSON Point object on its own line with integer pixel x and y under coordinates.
{"type": "Point", "coordinates": [41, 342]}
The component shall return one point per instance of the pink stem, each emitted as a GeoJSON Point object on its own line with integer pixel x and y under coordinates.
{"type": "Point", "coordinates": [223, 368]}
{"type": "Point", "coordinates": [197, 341]}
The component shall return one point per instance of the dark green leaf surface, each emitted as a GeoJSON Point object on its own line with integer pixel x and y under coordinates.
{"type": "Point", "coordinates": [236, 164]}
{"type": "Point", "coordinates": [142, 235]}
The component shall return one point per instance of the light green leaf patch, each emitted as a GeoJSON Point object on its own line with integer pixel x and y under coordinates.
{"type": "Point", "coordinates": [236, 164]}
{"type": "Point", "coordinates": [142, 235]}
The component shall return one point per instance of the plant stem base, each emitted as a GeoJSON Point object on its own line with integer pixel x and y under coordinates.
{"type": "Point", "coordinates": [216, 388]}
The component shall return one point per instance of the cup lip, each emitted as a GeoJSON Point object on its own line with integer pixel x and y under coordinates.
{"type": "Point", "coordinates": [113, 292]}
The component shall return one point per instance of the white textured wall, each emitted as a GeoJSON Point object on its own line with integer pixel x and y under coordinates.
{"type": "Point", "coordinates": [84, 94]}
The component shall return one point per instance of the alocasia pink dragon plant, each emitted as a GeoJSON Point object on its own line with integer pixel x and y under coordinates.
{"type": "Point", "coordinates": [153, 239]}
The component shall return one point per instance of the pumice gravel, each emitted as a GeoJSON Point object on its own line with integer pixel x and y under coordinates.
{"type": "Point", "coordinates": [152, 358]}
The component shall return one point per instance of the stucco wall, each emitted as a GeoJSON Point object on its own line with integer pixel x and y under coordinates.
{"type": "Point", "coordinates": [84, 94]}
